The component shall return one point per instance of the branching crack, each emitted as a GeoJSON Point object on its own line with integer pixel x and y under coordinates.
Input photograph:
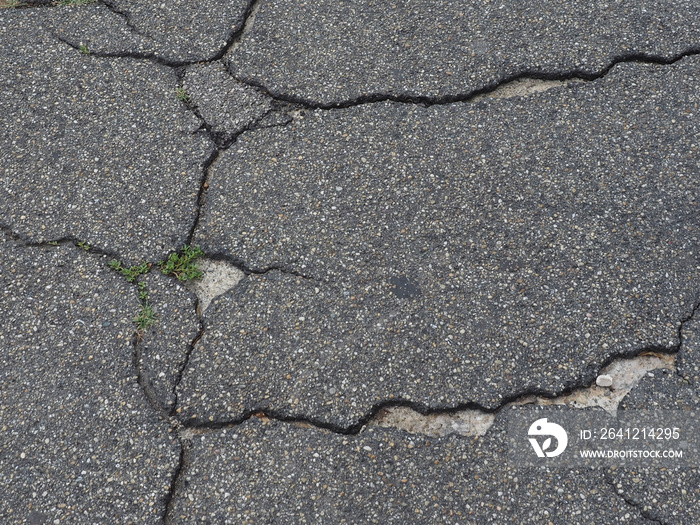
{"type": "Point", "coordinates": [233, 38]}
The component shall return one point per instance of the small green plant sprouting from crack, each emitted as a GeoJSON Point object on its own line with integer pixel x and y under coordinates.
{"type": "Point", "coordinates": [182, 95]}
{"type": "Point", "coordinates": [143, 294]}
{"type": "Point", "coordinates": [52, 243]}
{"type": "Point", "coordinates": [146, 316]}
{"type": "Point", "coordinates": [130, 273]}
{"type": "Point", "coordinates": [85, 246]}
{"type": "Point", "coordinates": [83, 49]}
{"type": "Point", "coordinates": [183, 265]}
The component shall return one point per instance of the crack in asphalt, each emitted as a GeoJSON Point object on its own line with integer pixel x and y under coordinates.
{"type": "Point", "coordinates": [563, 76]}
{"type": "Point", "coordinates": [575, 74]}
{"type": "Point", "coordinates": [186, 361]}
{"type": "Point", "coordinates": [176, 479]}
{"type": "Point", "coordinates": [127, 19]}
{"type": "Point", "coordinates": [59, 241]}
{"type": "Point", "coordinates": [221, 146]}
{"type": "Point", "coordinates": [233, 38]}
{"type": "Point", "coordinates": [183, 427]}
{"type": "Point", "coordinates": [519, 398]}
{"type": "Point", "coordinates": [608, 479]}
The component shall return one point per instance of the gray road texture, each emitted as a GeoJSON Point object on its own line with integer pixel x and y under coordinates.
{"type": "Point", "coordinates": [414, 228]}
{"type": "Point", "coordinates": [79, 442]}
{"type": "Point", "coordinates": [531, 236]}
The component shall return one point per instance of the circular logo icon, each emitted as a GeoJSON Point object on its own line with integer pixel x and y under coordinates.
{"type": "Point", "coordinates": [550, 432]}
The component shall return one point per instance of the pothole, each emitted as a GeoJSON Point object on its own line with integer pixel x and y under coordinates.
{"type": "Point", "coordinates": [622, 374]}
{"type": "Point", "coordinates": [218, 278]}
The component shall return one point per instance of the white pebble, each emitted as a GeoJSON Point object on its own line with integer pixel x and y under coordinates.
{"type": "Point", "coordinates": [604, 380]}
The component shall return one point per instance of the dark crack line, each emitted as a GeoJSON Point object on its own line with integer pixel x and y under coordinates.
{"type": "Point", "coordinates": [142, 377]}
{"type": "Point", "coordinates": [587, 381]}
{"type": "Point", "coordinates": [574, 74]}
{"type": "Point", "coordinates": [222, 143]}
{"type": "Point", "coordinates": [680, 334]}
{"type": "Point", "coordinates": [60, 241]}
{"type": "Point", "coordinates": [202, 193]}
{"type": "Point", "coordinates": [233, 38]}
{"type": "Point", "coordinates": [686, 321]}
{"type": "Point", "coordinates": [630, 502]}
{"type": "Point", "coordinates": [186, 362]}
{"type": "Point", "coordinates": [126, 17]}
{"type": "Point", "coordinates": [176, 480]}
{"type": "Point", "coordinates": [106, 54]}
{"type": "Point", "coordinates": [248, 270]}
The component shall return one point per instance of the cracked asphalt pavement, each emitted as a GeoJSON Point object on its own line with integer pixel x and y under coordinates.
{"type": "Point", "coordinates": [434, 205]}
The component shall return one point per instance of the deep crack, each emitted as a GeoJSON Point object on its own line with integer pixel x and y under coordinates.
{"type": "Point", "coordinates": [572, 75]}
{"type": "Point", "coordinates": [520, 398]}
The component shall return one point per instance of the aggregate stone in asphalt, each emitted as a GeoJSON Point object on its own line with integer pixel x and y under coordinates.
{"type": "Point", "coordinates": [332, 52]}
{"type": "Point", "coordinates": [173, 32]}
{"type": "Point", "coordinates": [272, 472]}
{"type": "Point", "coordinates": [79, 443]}
{"type": "Point", "coordinates": [450, 254]}
{"type": "Point", "coordinates": [94, 149]}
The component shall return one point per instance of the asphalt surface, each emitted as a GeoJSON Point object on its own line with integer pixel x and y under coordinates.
{"type": "Point", "coordinates": [415, 227]}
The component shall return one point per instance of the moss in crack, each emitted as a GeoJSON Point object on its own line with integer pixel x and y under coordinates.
{"type": "Point", "coordinates": [183, 265]}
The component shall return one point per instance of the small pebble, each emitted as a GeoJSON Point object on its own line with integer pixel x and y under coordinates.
{"type": "Point", "coordinates": [604, 380]}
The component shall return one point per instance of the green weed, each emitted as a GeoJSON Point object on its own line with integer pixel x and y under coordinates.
{"type": "Point", "coordinates": [146, 316]}
{"type": "Point", "coordinates": [182, 95]}
{"type": "Point", "coordinates": [129, 273]}
{"type": "Point", "coordinates": [183, 265]}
